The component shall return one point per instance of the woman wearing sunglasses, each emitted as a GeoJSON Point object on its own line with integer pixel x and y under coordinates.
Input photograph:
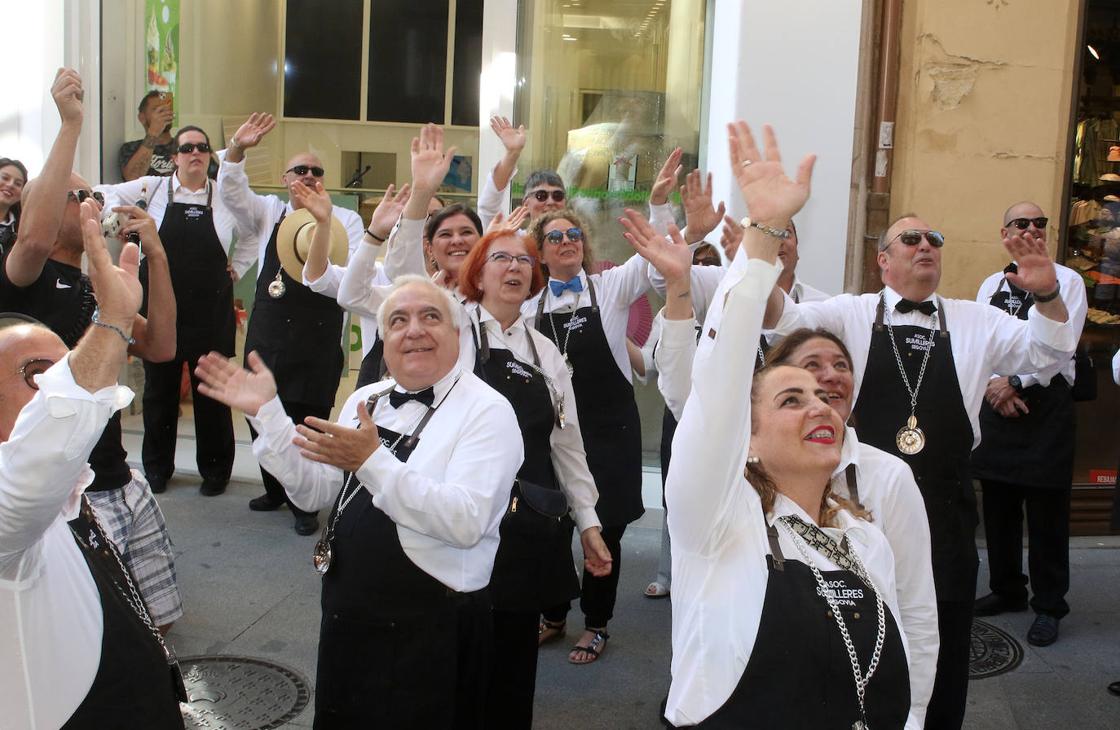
{"type": "Point", "coordinates": [585, 316]}
{"type": "Point", "coordinates": [13, 176]}
{"type": "Point", "coordinates": [532, 569]}
{"type": "Point", "coordinates": [197, 230]}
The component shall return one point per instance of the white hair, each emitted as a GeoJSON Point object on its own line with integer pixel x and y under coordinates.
{"type": "Point", "coordinates": [453, 308]}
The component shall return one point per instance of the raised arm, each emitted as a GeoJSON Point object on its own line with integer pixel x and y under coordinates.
{"type": "Point", "coordinates": [491, 195]}
{"type": "Point", "coordinates": [155, 335]}
{"type": "Point", "coordinates": [660, 213]}
{"type": "Point", "coordinates": [318, 202]}
{"type": "Point", "coordinates": [160, 117]}
{"type": "Point", "coordinates": [701, 217]}
{"type": "Point", "coordinates": [249, 209]}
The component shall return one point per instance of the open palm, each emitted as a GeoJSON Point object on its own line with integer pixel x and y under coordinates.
{"type": "Point", "coordinates": [771, 196]}
{"type": "Point", "coordinates": [227, 382]}
{"type": "Point", "coordinates": [254, 129]}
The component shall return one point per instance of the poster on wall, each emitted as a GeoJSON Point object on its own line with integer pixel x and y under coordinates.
{"type": "Point", "coordinates": [161, 46]}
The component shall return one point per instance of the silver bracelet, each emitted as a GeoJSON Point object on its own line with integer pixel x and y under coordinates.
{"type": "Point", "coordinates": [97, 321]}
{"type": "Point", "coordinates": [768, 230]}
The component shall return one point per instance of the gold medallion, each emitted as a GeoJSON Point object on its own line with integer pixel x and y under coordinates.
{"type": "Point", "coordinates": [910, 439]}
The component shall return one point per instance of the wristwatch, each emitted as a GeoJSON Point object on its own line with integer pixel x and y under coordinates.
{"type": "Point", "coordinates": [1015, 382]}
{"type": "Point", "coordinates": [768, 230]}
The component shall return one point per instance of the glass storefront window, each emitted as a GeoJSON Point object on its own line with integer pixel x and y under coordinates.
{"type": "Point", "coordinates": [606, 89]}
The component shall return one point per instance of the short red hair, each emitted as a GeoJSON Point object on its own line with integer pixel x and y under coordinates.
{"type": "Point", "coordinates": [470, 273]}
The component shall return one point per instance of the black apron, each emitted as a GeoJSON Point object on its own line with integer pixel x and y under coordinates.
{"type": "Point", "coordinates": [202, 284]}
{"type": "Point", "coordinates": [133, 685]}
{"type": "Point", "coordinates": [390, 633]}
{"type": "Point", "coordinates": [799, 674]}
{"type": "Point", "coordinates": [527, 575]}
{"type": "Point", "coordinates": [608, 414]}
{"type": "Point", "coordinates": [299, 335]}
{"type": "Point", "coordinates": [941, 469]}
{"type": "Point", "coordinates": [1035, 449]}
{"type": "Point", "coordinates": [373, 368]}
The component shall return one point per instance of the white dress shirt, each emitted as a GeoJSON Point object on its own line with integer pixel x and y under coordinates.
{"type": "Point", "coordinates": [50, 609]}
{"type": "Point", "coordinates": [1072, 288]}
{"type": "Point", "coordinates": [447, 500]}
{"type": "Point", "coordinates": [153, 188]}
{"type": "Point", "coordinates": [568, 455]}
{"type": "Point", "coordinates": [257, 215]}
{"type": "Point", "coordinates": [716, 522]}
{"type": "Point", "coordinates": [615, 290]}
{"type": "Point", "coordinates": [886, 487]}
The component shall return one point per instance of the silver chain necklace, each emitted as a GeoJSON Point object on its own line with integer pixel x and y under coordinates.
{"type": "Point", "coordinates": [861, 679]}
{"type": "Point", "coordinates": [910, 439]}
{"type": "Point", "coordinates": [564, 347]}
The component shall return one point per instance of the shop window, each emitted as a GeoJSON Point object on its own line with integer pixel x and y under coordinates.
{"type": "Point", "coordinates": [407, 60]}
{"type": "Point", "coordinates": [323, 59]}
{"type": "Point", "coordinates": [468, 63]}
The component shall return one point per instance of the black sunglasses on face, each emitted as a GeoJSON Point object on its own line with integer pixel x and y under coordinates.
{"type": "Point", "coordinates": [542, 195]}
{"type": "Point", "coordinates": [1022, 223]}
{"type": "Point", "coordinates": [84, 195]}
{"type": "Point", "coordinates": [914, 237]}
{"type": "Point", "coordinates": [188, 147]}
{"type": "Point", "coordinates": [34, 367]}
{"type": "Point", "coordinates": [557, 237]}
{"type": "Point", "coordinates": [303, 169]}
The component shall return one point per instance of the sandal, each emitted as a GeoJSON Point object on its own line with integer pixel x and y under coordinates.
{"type": "Point", "coordinates": [657, 589]}
{"type": "Point", "coordinates": [548, 631]}
{"type": "Point", "coordinates": [594, 649]}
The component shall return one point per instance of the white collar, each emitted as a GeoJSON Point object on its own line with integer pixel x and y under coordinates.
{"type": "Point", "coordinates": [849, 452]}
{"type": "Point", "coordinates": [178, 186]}
{"type": "Point", "coordinates": [891, 298]}
{"type": "Point", "coordinates": [847, 524]}
{"type": "Point", "coordinates": [10, 220]}
{"type": "Point", "coordinates": [440, 388]}
{"type": "Point", "coordinates": [582, 276]}
{"type": "Point", "coordinates": [485, 317]}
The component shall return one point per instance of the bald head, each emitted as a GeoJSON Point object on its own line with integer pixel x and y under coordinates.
{"type": "Point", "coordinates": [307, 164]}
{"type": "Point", "coordinates": [1024, 217]}
{"type": "Point", "coordinates": [25, 348]}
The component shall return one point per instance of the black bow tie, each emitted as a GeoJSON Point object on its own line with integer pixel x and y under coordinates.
{"type": "Point", "coordinates": [927, 307]}
{"type": "Point", "coordinates": [398, 398]}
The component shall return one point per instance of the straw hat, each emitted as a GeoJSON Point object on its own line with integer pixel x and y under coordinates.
{"type": "Point", "coordinates": [293, 241]}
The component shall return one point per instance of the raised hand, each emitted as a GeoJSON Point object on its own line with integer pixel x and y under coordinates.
{"type": "Point", "coordinates": [666, 179]}
{"type": "Point", "coordinates": [430, 162]}
{"type": "Point", "coordinates": [701, 218]}
{"type": "Point", "coordinates": [67, 92]}
{"type": "Point", "coordinates": [731, 237]}
{"type": "Point", "coordinates": [316, 199]}
{"type": "Point", "coordinates": [771, 197]}
{"type": "Point", "coordinates": [142, 224]}
{"type": "Point", "coordinates": [227, 382]}
{"type": "Point", "coordinates": [596, 556]}
{"type": "Point", "coordinates": [253, 130]}
{"type": "Point", "coordinates": [673, 259]}
{"type": "Point", "coordinates": [159, 119]}
{"type": "Point", "coordinates": [513, 138]}
{"type": "Point", "coordinates": [329, 443]}
{"type": "Point", "coordinates": [117, 288]}
{"type": "Point", "coordinates": [517, 218]}
{"type": "Point", "coordinates": [388, 211]}
{"type": "Point", "coordinates": [1036, 269]}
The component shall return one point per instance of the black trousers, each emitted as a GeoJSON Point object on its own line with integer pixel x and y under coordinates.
{"type": "Point", "coordinates": [597, 596]}
{"type": "Point", "coordinates": [950, 687]}
{"type": "Point", "coordinates": [213, 424]}
{"type": "Point", "coordinates": [297, 412]}
{"type": "Point", "coordinates": [513, 681]}
{"type": "Point", "coordinates": [1048, 530]}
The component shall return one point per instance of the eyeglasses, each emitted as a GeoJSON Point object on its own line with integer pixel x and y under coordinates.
{"type": "Point", "coordinates": [574, 235]}
{"type": "Point", "coordinates": [303, 170]}
{"type": "Point", "coordinates": [914, 237]}
{"type": "Point", "coordinates": [503, 258]}
{"type": "Point", "coordinates": [542, 195]}
{"type": "Point", "coordinates": [188, 147]}
{"type": "Point", "coordinates": [1022, 223]}
{"type": "Point", "coordinates": [83, 195]}
{"type": "Point", "coordinates": [34, 367]}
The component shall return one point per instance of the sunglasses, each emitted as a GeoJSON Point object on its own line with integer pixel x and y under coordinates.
{"type": "Point", "coordinates": [83, 195]}
{"type": "Point", "coordinates": [1022, 223]}
{"type": "Point", "coordinates": [304, 169]}
{"type": "Point", "coordinates": [913, 238]}
{"type": "Point", "coordinates": [188, 147]}
{"type": "Point", "coordinates": [542, 195]}
{"type": "Point", "coordinates": [31, 368]}
{"type": "Point", "coordinates": [574, 235]}
{"type": "Point", "coordinates": [503, 258]}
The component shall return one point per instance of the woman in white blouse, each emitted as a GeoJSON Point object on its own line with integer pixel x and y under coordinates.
{"type": "Point", "coordinates": [532, 569]}
{"type": "Point", "coordinates": [783, 592]}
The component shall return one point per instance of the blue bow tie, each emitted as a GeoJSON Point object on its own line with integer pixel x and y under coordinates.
{"type": "Point", "coordinates": [558, 287]}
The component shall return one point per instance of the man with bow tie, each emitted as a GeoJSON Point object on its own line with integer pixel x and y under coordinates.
{"type": "Point", "coordinates": [419, 472]}
{"type": "Point", "coordinates": [926, 361]}
{"type": "Point", "coordinates": [1026, 456]}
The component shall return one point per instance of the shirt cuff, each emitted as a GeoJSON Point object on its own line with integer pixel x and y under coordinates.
{"type": "Point", "coordinates": [1060, 336]}
{"type": "Point", "coordinates": [677, 334]}
{"type": "Point", "coordinates": [380, 464]}
{"type": "Point", "coordinates": [270, 417]}
{"type": "Point", "coordinates": [58, 387]}
{"type": "Point", "coordinates": [586, 517]}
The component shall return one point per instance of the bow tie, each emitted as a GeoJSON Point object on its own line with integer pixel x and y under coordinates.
{"type": "Point", "coordinates": [558, 287]}
{"type": "Point", "coordinates": [927, 307]}
{"type": "Point", "coordinates": [398, 398]}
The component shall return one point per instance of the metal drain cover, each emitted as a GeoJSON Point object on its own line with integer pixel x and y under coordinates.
{"type": "Point", "coordinates": [993, 651]}
{"type": "Point", "coordinates": [241, 692]}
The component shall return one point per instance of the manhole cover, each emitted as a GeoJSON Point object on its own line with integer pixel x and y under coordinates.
{"type": "Point", "coordinates": [992, 651]}
{"type": "Point", "coordinates": [241, 692]}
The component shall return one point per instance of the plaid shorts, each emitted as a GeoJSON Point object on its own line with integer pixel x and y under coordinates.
{"type": "Point", "coordinates": [135, 524]}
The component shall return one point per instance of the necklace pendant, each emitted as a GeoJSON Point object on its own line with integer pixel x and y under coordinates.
{"type": "Point", "coordinates": [859, 725]}
{"type": "Point", "coordinates": [910, 439]}
{"type": "Point", "coordinates": [321, 557]}
{"type": "Point", "coordinates": [276, 289]}
{"type": "Point", "coordinates": [560, 420]}
{"type": "Point", "coordinates": [568, 364]}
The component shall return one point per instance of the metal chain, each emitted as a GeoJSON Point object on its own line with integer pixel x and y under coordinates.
{"type": "Point", "coordinates": [556, 337]}
{"type": "Point", "coordinates": [861, 679]}
{"type": "Point", "coordinates": [898, 359]}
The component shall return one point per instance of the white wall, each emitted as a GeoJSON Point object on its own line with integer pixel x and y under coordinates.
{"type": "Point", "coordinates": [794, 65]}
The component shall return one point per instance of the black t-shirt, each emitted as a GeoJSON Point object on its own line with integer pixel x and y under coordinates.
{"type": "Point", "coordinates": [62, 299]}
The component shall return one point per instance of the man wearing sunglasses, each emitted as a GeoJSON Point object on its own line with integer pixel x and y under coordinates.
{"type": "Point", "coordinates": [926, 361]}
{"type": "Point", "coordinates": [1026, 456]}
{"type": "Point", "coordinates": [544, 189]}
{"type": "Point", "coordinates": [296, 326]}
